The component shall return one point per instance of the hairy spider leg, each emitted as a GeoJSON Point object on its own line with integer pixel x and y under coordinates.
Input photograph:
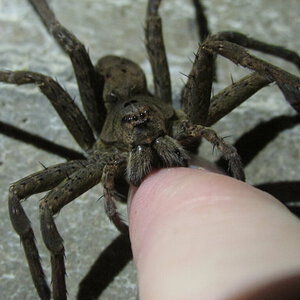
{"type": "Point", "coordinates": [234, 95]}
{"type": "Point", "coordinates": [70, 188]}
{"type": "Point", "coordinates": [203, 28]}
{"type": "Point", "coordinates": [61, 101]}
{"type": "Point", "coordinates": [33, 184]}
{"type": "Point", "coordinates": [110, 172]}
{"type": "Point", "coordinates": [288, 83]}
{"type": "Point", "coordinates": [157, 52]}
{"type": "Point", "coordinates": [250, 43]}
{"type": "Point", "coordinates": [90, 83]}
{"type": "Point", "coordinates": [238, 92]}
{"type": "Point", "coordinates": [185, 131]}
{"type": "Point", "coordinates": [197, 90]}
{"type": "Point", "coordinates": [196, 102]}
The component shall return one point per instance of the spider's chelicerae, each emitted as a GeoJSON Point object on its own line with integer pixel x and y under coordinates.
{"type": "Point", "coordinates": [125, 129]}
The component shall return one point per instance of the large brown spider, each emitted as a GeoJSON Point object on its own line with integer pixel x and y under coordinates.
{"type": "Point", "coordinates": [293, 83]}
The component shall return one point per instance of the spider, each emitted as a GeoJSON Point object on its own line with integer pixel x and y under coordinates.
{"type": "Point", "coordinates": [135, 108]}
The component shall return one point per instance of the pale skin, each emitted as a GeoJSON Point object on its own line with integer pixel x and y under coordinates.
{"type": "Point", "coordinates": [200, 235]}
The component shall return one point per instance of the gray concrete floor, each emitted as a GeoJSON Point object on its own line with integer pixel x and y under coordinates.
{"type": "Point", "coordinates": [116, 27]}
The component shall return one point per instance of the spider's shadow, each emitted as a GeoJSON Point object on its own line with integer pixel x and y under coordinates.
{"type": "Point", "coordinates": [105, 268]}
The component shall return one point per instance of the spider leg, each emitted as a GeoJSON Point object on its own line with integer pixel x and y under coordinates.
{"type": "Point", "coordinates": [157, 53]}
{"type": "Point", "coordinates": [61, 101]}
{"type": "Point", "coordinates": [287, 82]}
{"type": "Point", "coordinates": [73, 186]}
{"type": "Point", "coordinates": [39, 142]}
{"type": "Point", "coordinates": [110, 172]}
{"type": "Point", "coordinates": [197, 90]}
{"type": "Point", "coordinates": [187, 131]}
{"type": "Point", "coordinates": [250, 43]}
{"type": "Point", "coordinates": [203, 28]}
{"type": "Point", "coordinates": [90, 83]}
{"type": "Point", "coordinates": [35, 183]}
{"type": "Point", "coordinates": [232, 96]}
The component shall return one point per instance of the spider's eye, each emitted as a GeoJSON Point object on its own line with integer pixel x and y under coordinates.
{"type": "Point", "coordinates": [113, 97]}
{"type": "Point", "coordinates": [178, 153]}
{"type": "Point", "coordinates": [124, 119]}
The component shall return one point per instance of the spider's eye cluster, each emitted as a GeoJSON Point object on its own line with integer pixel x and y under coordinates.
{"type": "Point", "coordinates": [112, 97]}
{"type": "Point", "coordinates": [142, 116]}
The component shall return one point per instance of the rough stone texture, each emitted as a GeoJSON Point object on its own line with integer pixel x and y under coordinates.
{"type": "Point", "coordinates": [116, 27]}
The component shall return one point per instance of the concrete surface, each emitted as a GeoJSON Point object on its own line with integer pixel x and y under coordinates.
{"type": "Point", "coordinates": [116, 27]}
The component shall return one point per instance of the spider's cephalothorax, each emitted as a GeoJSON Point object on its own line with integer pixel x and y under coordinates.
{"type": "Point", "coordinates": [143, 126]}
{"type": "Point", "coordinates": [126, 129]}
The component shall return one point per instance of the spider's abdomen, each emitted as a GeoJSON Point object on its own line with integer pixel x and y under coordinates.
{"type": "Point", "coordinates": [122, 79]}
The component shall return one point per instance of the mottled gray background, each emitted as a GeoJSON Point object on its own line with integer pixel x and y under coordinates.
{"type": "Point", "coordinates": [108, 27]}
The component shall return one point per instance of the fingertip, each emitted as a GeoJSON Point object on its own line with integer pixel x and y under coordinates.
{"type": "Point", "coordinates": [178, 213]}
{"type": "Point", "coordinates": [166, 192]}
